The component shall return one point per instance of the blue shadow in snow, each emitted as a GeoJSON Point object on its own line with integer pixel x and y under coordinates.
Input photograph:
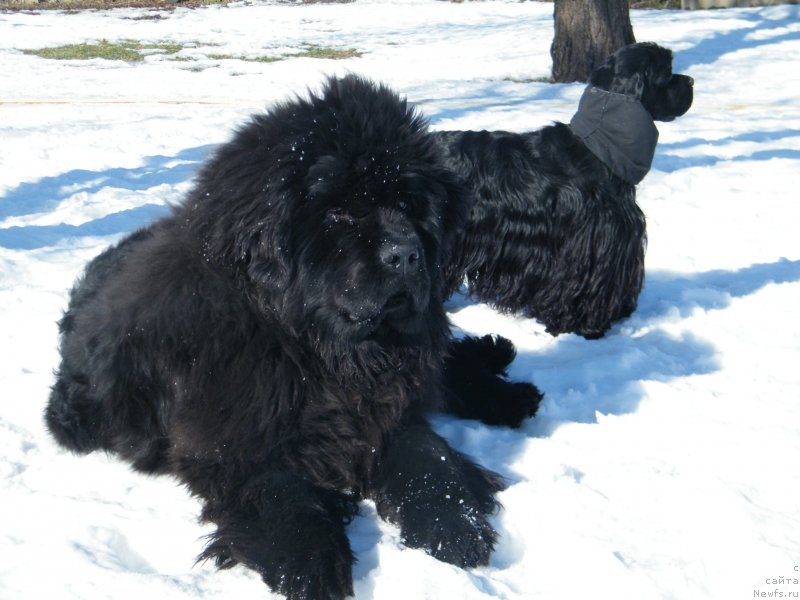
{"type": "Point", "coordinates": [39, 236]}
{"type": "Point", "coordinates": [46, 194]}
{"type": "Point", "coordinates": [491, 97]}
{"type": "Point", "coordinates": [711, 49]}
{"type": "Point", "coordinates": [669, 163]}
{"type": "Point", "coordinates": [581, 378]}
{"type": "Point", "coordinates": [664, 292]}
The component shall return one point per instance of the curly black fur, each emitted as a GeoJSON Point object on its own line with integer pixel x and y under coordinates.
{"type": "Point", "coordinates": [275, 342]}
{"type": "Point", "coordinates": [554, 232]}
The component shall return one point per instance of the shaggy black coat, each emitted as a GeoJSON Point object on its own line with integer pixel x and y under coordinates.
{"type": "Point", "coordinates": [555, 231]}
{"type": "Point", "coordinates": [275, 343]}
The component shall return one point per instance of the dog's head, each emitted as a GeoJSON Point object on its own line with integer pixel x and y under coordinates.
{"type": "Point", "coordinates": [336, 212]}
{"type": "Point", "coordinates": [369, 247]}
{"type": "Point", "coordinates": [644, 71]}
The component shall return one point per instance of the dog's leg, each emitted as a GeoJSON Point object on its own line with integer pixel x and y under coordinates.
{"type": "Point", "coordinates": [598, 273]}
{"type": "Point", "coordinates": [288, 530]}
{"type": "Point", "coordinates": [476, 388]}
{"type": "Point", "coordinates": [437, 496]}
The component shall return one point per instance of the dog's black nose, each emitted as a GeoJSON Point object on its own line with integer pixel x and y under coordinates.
{"type": "Point", "coordinates": [402, 254]}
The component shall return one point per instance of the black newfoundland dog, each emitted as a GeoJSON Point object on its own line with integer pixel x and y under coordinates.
{"type": "Point", "coordinates": [556, 232]}
{"type": "Point", "coordinates": [276, 341]}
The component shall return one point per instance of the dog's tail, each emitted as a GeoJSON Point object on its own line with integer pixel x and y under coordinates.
{"type": "Point", "coordinates": [71, 416]}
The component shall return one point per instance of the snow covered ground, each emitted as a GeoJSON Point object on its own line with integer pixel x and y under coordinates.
{"type": "Point", "coordinates": [665, 460]}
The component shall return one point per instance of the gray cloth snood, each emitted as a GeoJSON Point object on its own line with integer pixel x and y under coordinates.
{"type": "Point", "coordinates": [618, 130]}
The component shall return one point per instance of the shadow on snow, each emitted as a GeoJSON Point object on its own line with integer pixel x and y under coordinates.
{"type": "Point", "coordinates": [495, 95]}
{"type": "Point", "coordinates": [709, 50]}
{"type": "Point", "coordinates": [582, 378]}
{"type": "Point", "coordinates": [46, 194]}
{"type": "Point", "coordinates": [669, 163]}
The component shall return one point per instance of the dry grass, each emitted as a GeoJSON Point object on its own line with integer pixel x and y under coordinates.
{"type": "Point", "coordinates": [167, 5]}
{"type": "Point", "coordinates": [127, 50]}
{"type": "Point", "coordinates": [134, 51]}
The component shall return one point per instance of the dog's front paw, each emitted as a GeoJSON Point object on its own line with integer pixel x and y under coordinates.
{"type": "Point", "coordinates": [511, 403]}
{"type": "Point", "coordinates": [520, 402]}
{"type": "Point", "coordinates": [315, 569]}
{"type": "Point", "coordinates": [461, 536]}
{"type": "Point", "coordinates": [312, 561]}
{"type": "Point", "coordinates": [491, 352]}
{"type": "Point", "coordinates": [498, 352]}
{"type": "Point", "coordinates": [475, 374]}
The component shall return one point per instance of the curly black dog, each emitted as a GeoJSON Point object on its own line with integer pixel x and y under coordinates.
{"type": "Point", "coordinates": [555, 232]}
{"type": "Point", "coordinates": [275, 342]}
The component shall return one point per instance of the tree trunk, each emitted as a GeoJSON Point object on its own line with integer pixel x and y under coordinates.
{"type": "Point", "coordinates": [586, 32]}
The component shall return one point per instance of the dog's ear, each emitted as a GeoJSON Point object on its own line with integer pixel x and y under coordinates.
{"type": "Point", "coordinates": [448, 196]}
{"type": "Point", "coordinates": [635, 85]}
{"type": "Point", "coordinates": [459, 198]}
{"type": "Point", "coordinates": [262, 253]}
{"type": "Point", "coordinates": [603, 76]}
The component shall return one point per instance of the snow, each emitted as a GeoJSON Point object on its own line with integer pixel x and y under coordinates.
{"type": "Point", "coordinates": [664, 462]}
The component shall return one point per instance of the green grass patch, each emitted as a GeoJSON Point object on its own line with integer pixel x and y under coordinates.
{"type": "Point", "coordinates": [75, 6]}
{"type": "Point", "coordinates": [662, 4]}
{"type": "Point", "coordinates": [261, 59]}
{"type": "Point", "coordinates": [312, 51]}
{"type": "Point", "coordinates": [306, 51]}
{"type": "Point", "coordinates": [133, 51]}
{"type": "Point", "coordinates": [529, 79]}
{"type": "Point", "coordinates": [127, 50]}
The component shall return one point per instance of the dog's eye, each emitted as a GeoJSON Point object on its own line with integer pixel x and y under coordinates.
{"type": "Point", "coordinates": [409, 207]}
{"type": "Point", "coordinates": [339, 216]}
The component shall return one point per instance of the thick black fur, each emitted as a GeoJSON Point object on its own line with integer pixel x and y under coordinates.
{"type": "Point", "coordinates": [554, 233]}
{"type": "Point", "coordinates": [475, 374]}
{"type": "Point", "coordinates": [276, 341]}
